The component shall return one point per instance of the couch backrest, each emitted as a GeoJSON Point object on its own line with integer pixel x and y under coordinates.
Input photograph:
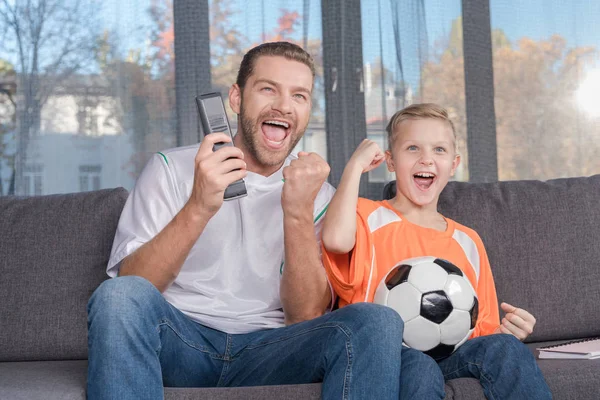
{"type": "Point", "coordinates": [543, 242]}
{"type": "Point", "coordinates": [53, 254]}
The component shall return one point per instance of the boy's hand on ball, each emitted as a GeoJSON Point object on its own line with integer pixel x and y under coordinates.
{"type": "Point", "coordinates": [517, 322]}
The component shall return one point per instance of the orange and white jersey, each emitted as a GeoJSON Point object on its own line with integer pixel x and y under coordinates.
{"type": "Point", "coordinates": [384, 238]}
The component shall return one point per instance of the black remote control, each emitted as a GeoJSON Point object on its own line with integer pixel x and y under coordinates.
{"type": "Point", "coordinates": [214, 119]}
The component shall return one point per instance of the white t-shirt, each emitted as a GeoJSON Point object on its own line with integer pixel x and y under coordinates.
{"type": "Point", "coordinates": [230, 279]}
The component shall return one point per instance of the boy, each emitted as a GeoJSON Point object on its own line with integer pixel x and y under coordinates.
{"type": "Point", "coordinates": [364, 239]}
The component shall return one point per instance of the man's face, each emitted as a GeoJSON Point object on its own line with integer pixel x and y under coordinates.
{"type": "Point", "coordinates": [424, 158]}
{"type": "Point", "coordinates": [274, 109]}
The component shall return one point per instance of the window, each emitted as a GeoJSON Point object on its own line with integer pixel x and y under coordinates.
{"type": "Point", "coordinates": [33, 180]}
{"type": "Point", "coordinates": [547, 88]}
{"type": "Point", "coordinates": [89, 177]}
{"type": "Point", "coordinates": [103, 92]}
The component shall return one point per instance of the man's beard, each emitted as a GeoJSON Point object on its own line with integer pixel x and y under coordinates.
{"type": "Point", "coordinates": [249, 132]}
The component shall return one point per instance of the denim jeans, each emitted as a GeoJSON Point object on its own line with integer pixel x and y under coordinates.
{"type": "Point", "coordinates": [505, 367]}
{"type": "Point", "coordinates": [139, 343]}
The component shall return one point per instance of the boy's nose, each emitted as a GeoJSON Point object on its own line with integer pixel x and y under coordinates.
{"type": "Point", "coordinates": [427, 162]}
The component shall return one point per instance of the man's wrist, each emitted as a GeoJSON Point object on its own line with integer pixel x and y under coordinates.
{"type": "Point", "coordinates": [196, 214]}
{"type": "Point", "coordinates": [299, 215]}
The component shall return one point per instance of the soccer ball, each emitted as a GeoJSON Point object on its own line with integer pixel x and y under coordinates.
{"type": "Point", "coordinates": [436, 301]}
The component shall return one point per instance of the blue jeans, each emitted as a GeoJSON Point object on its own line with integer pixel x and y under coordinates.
{"type": "Point", "coordinates": [139, 343]}
{"type": "Point", "coordinates": [505, 367]}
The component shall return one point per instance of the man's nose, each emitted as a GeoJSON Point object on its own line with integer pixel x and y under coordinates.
{"type": "Point", "coordinates": [282, 104]}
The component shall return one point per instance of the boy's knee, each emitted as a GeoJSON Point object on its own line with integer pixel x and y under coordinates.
{"type": "Point", "coordinates": [377, 322]}
{"type": "Point", "coordinates": [508, 346]}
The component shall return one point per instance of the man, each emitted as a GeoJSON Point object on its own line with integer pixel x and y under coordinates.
{"type": "Point", "coordinates": [214, 293]}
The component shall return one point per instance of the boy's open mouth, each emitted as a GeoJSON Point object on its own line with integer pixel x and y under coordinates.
{"type": "Point", "coordinates": [424, 180]}
{"type": "Point", "coordinates": [275, 132]}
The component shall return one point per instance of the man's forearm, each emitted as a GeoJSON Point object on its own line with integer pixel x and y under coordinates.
{"type": "Point", "coordinates": [305, 293]}
{"type": "Point", "coordinates": [160, 259]}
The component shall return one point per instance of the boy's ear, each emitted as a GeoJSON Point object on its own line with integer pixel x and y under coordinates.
{"type": "Point", "coordinates": [389, 160]}
{"type": "Point", "coordinates": [235, 98]}
{"type": "Point", "coordinates": [455, 164]}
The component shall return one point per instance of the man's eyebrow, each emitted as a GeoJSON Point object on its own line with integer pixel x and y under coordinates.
{"type": "Point", "coordinates": [273, 83]}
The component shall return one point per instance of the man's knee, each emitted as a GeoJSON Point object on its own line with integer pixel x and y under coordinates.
{"type": "Point", "coordinates": [121, 296]}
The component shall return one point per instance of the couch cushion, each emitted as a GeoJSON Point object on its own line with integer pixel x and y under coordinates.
{"type": "Point", "coordinates": [66, 380]}
{"type": "Point", "coordinates": [47, 380]}
{"type": "Point", "coordinates": [54, 251]}
{"type": "Point", "coordinates": [464, 389]}
{"type": "Point", "coordinates": [310, 391]}
{"type": "Point", "coordinates": [543, 242]}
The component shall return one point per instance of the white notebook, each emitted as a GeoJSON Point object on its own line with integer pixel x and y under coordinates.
{"type": "Point", "coordinates": [576, 349]}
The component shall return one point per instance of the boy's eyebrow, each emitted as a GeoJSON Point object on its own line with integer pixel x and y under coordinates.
{"type": "Point", "coordinates": [273, 83]}
{"type": "Point", "coordinates": [417, 141]}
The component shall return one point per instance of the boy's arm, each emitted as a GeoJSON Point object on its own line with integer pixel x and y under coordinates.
{"type": "Point", "coordinates": [339, 229]}
{"type": "Point", "coordinates": [489, 318]}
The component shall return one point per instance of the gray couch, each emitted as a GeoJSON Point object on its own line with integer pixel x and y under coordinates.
{"type": "Point", "coordinates": [543, 241]}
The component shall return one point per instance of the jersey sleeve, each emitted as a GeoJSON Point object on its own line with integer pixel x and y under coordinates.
{"type": "Point", "coordinates": [489, 317]}
{"type": "Point", "coordinates": [151, 205]}
{"type": "Point", "coordinates": [346, 272]}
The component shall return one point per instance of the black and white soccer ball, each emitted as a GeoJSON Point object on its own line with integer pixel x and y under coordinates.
{"type": "Point", "coordinates": [436, 301]}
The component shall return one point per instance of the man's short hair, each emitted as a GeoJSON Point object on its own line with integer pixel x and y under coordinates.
{"type": "Point", "coordinates": [287, 50]}
{"type": "Point", "coordinates": [419, 111]}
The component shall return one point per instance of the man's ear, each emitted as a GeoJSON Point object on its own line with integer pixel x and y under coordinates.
{"type": "Point", "coordinates": [455, 164]}
{"type": "Point", "coordinates": [389, 161]}
{"type": "Point", "coordinates": [235, 98]}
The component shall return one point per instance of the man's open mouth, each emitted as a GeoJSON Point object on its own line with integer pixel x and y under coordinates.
{"type": "Point", "coordinates": [424, 180]}
{"type": "Point", "coordinates": [275, 132]}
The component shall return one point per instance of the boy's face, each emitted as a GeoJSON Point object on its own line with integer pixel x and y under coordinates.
{"type": "Point", "coordinates": [274, 109]}
{"type": "Point", "coordinates": [424, 158]}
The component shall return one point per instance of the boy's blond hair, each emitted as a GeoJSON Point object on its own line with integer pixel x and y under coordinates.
{"type": "Point", "coordinates": [419, 111]}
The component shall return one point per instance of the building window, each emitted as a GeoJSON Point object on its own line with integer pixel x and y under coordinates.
{"type": "Point", "coordinates": [32, 180]}
{"type": "Point", "coordinates": [89, 177]}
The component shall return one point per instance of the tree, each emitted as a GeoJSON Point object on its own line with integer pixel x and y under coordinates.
{"type": "Point", "coordinates": [541, 133]}
{"type": "Point", "coordinates": [143, 81]}
{"type": "Point", "coordinates": [144, 89]}
{"type": "Point", "coordinates": [51, 40]}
